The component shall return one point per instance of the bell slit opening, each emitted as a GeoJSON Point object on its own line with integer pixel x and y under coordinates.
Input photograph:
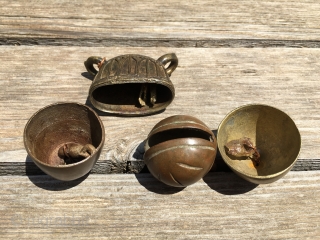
{"type": "Point", "coordinates": [172, 134]}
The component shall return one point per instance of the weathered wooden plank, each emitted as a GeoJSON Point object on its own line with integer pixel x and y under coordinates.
{"type": "Point", "coordinates": [33, 77]}
{"type": "Point", "coordinates": [222, 206]}
{"type": "Point", "coordinates": [168, 23]}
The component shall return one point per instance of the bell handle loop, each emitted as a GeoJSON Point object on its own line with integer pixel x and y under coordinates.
{"type": "Point", "coordinates": [89, 64]}
{"type": "Point", "coordinates": [172, 58]}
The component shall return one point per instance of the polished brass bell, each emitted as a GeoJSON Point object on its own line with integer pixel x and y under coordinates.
{"type": "Point", "coordinates": [132, 84]}
{"type": "Point", "coordinates": [272, 132]}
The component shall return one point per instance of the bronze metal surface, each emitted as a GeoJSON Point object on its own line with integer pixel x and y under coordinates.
{"type": "Point", "coordinates": [274, 134]}
{"type": "Point", "coordinates": [132, 84]}
{"type": "Point", "coordinates": [64, 125]}
{"type": "Point", "coordinates": [180, 150]}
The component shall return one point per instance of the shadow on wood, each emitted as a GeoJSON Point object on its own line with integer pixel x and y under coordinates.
{"type": "Point", "coordinates": [87, 76]}
{"type": "Point", "coordinates": [154, 185]}
{"type": "Point", "coordinates": [229, 184]}
{"type": "Point", "coordinates": [48, 182]}
{"type": "Point", "coordinates": [136, 164]}
{"type": "Point", "coordinates": [31, 168]}
{"type": "Point", "coordinates": [219, 165]}
{"type": "Point", "coordinates": [139, 152]}
{"type": "Point", "coordinates": [51, 184]}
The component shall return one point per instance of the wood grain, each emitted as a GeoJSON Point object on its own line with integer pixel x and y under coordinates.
{"type": "Point", "coordinates": [33, 77]}
{"type": "Point", "coordinates": [174, 23]}
{"type": "Point", "coordinates": [221, 206]}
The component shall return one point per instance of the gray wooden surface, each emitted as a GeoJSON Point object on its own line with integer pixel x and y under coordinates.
{"type": "Point", "coordinates": [172, 23]}
{"type": "Point", "coordinates": [231, 53]}
{"type": "Point", "coordinates": [221, 206]}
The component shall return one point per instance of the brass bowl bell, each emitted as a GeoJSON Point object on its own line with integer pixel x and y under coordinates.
{"type": "Point", "coordinates": [131, 84]}
{"type": "Point", "coordinates": [273, 136]}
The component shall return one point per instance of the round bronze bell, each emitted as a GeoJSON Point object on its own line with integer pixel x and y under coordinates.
{"type": "Point", "coordinates": [259, 143]}
{"type": "Point", "coordinates": [132, 84]}
{"type": "Point", "coordinates": [64, 140]}
{"type": "Point", "coordinates": [180, 150]}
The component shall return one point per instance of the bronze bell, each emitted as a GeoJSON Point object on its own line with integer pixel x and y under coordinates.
{"type": "Point", "coordinates": [264, 131]}
{"type": "Point", "coordinates": [64, 140]}
{"type": "Point", "coordinates": [180, 150]}
{"type": "Point", "coordinates": [131, 84]}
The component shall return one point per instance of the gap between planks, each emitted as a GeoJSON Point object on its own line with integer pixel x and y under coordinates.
{"type": "Point", "coordinates": [28, 168]}
{"type": "Point", "coordinates": [176, 43]}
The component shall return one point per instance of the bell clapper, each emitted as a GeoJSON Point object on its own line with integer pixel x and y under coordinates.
{"type": "Point", "coordinates": [144, 93]}
{"type": "Point", "coordinates": [153, 94]}
{"type": "Point", "coordinates": [72, 152]}
{"type": "Point", "coordinates": [243, 147]}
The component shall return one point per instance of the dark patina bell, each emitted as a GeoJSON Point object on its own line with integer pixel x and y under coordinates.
{"type": "Point", "coordinates": [132, 84]}
{"type": "Point", "coordinates": [64, 140]}
{"type": "Point", "coordinates": [180, 150]}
